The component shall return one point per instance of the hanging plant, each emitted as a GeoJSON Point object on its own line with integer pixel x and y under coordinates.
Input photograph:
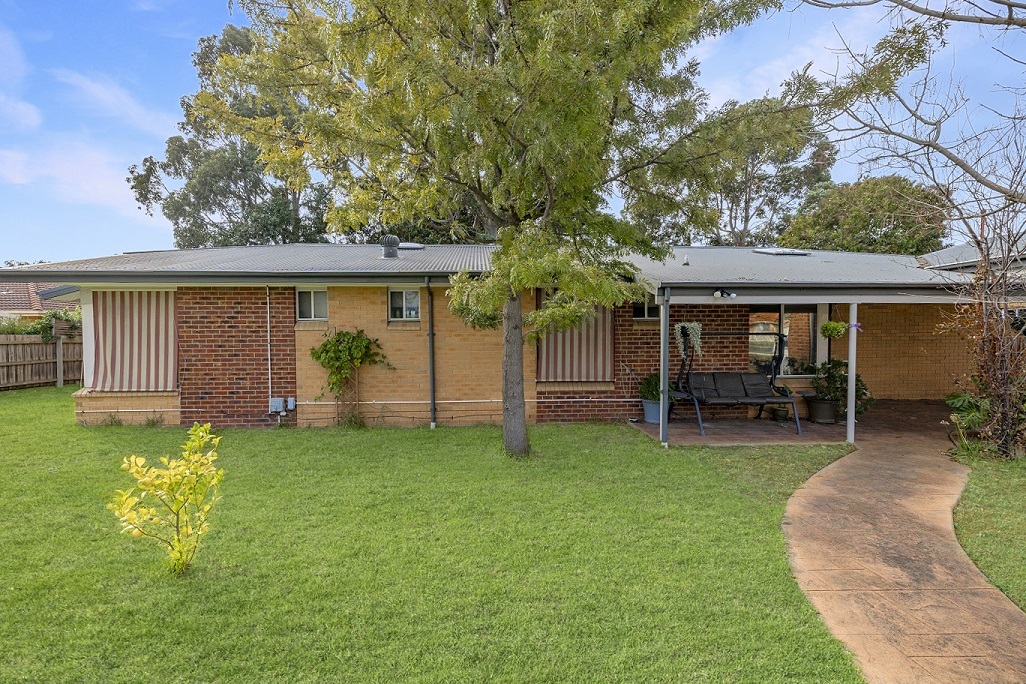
{"type": "Point", "coordinates": [833, 329]}
{"type": "Point", "coordinates": [345, 351]}
{"type": "Point", "coordinates": [688, 333]}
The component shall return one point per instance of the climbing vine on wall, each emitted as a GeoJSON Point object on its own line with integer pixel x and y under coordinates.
{"type": "Point", "coordinates": [343, 353]}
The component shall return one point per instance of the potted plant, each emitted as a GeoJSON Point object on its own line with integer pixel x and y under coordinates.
{"type": "Point", "coordinates": [649, 392]}
{"type": "Point", "coordinates": [830, 386]}
{"type": "Point", "coordinates": [833, 329]}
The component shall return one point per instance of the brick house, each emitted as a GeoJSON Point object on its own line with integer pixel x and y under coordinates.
{"type": "Point", "coordinates": [214, 335]}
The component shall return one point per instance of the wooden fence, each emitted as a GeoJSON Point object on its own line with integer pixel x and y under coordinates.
{"type": "Point", "coordinates": [27, 361]}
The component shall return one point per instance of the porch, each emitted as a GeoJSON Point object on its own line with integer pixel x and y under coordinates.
{"type": "Point", "coordinates": [886, 419]}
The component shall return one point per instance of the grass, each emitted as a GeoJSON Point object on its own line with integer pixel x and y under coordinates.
{"type": "Point", "coordinates": [408, 555]}
{"type": "Point", "coordinates": [990, 522]}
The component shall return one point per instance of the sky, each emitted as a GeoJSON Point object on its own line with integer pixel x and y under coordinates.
{"type": "Point", "coordinates": [88, 88]}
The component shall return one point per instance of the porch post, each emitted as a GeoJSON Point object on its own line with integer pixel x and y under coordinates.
{"type": "Point", "coordinates": [853, 319]}
{"type": "Point", "coordinates": [664, 363]}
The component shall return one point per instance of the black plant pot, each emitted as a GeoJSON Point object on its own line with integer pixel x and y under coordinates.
{"type": "Point", "coordinates": [821, 410]}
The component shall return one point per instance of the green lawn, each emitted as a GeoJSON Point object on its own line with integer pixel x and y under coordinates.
{"type": "Point", "coordinates": [408, 555]}
{"type": "Point", "coordinates": [990, 521]}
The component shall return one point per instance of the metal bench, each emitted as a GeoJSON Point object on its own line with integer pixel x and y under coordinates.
{"type": "Point", "coordinates": [724, 388]}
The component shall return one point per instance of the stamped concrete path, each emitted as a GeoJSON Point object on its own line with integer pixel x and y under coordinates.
{"type": "Point", "coordinates": [873, 546]}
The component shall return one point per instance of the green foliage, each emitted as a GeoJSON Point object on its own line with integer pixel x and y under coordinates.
{"type": "Point", "coordinates": [12, 326]}
{"type": "Point", "coordinates": [212, 186]}
{"type": "Point", "coordinates": [831, 383]}
{"type": "Point", "coordinates": [42, 326]}
{"type": "Point", "coordinates": [649, 388]}
{"type": "Point", "coordinates": [171, 505]}
{"type": "Point", "coordinates": [762, 158]}
{"type": "Point", "coordinates": [688, 334]}
{"type": "Point", "coordinates": [833, 329]}
{"type": "Point", "coordinates": [971, 415]}
{"type": "Point", "coordinates": [345, 351]}
{"type": "Point", "coordinates": [887, 215]}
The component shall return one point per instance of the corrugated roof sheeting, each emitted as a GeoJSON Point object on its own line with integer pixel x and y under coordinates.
{"type": "Point", "coordinates": [286, 259]}
{"type": "Point", "coordinates": [743, 265]}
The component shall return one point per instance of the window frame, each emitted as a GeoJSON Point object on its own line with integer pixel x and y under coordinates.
{"type": "Point", "coordinates": [405, 318]}
{"type": "Point", "coordinates": [651, 309]}
{"type": "Point", "coordinates": [313, 304]}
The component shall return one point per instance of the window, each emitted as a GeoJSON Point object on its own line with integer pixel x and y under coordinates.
{"type": "Point", "coordinates": [647, 310]}
{"type": "Point", "coordinates": [797, 323]}
{"type": "Point", "coordinates": [404, 305]}
{"type": "Point", "coordinates": [312, 305]}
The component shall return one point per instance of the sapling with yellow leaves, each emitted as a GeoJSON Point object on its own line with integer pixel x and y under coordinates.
{"type": "Point", "coordinates": [172, 504]}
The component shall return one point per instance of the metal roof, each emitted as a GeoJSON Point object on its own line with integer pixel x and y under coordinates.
{"type": "Point", "coordinates": [262, 262]}
{"type": "Point", "coordinates": [706, 266]}
{"type": "Point", "coordinates": [739, 266]}
{"type": "Point", "coordinates": [953, 257]}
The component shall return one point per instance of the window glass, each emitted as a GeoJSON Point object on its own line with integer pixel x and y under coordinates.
{"type": "Point", "coordinates": [413, 304]}
{"type": "Point", "coordinates": [800, 351]}
{"type": "Point", "coordinates": [797, 323]}
{"type": "Point", "coordinates": [312, 305]}
{"type": "Point", "coordinates": [395, 304]}
{"type": "Point", "coordinates": [305, 306]}
{"type": "Point", "coordinates": [404, 305]}
{"type": "Point", "coordinates": [320, 304]}
{"type": "Point", "coordinates": [647, 308]}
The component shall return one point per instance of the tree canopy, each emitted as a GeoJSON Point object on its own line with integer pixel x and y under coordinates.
{"type": "Point", "coordinates": [763, 157]}
{"type": "Point", "coordinates": [212, 186]}
{"type": "Point", "coordinates": [536, 111]}
{"type": "Point", "coordinates": [886, 214]}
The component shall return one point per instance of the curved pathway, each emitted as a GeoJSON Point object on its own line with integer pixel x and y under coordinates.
{"type": "Point", "coordinates": [873, 546]}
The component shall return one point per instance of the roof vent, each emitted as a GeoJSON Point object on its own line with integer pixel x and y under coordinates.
{"type": "Point", "coordinates": [781, 251]}
{"type": "Point", "coordinates": [389, 246]}
{"type": "Point", "coordinates": [410, 245]}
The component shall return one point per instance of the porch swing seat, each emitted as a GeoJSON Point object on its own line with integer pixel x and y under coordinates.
{"type": "Point", "coordinates": [723, 388]}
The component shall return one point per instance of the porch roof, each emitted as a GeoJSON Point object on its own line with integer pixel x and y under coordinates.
{"type": "Point", "coordinates": [756, 275]}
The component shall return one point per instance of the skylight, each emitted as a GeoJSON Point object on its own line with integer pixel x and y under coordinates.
{"type": "Point", "coordinates": [781, 251]}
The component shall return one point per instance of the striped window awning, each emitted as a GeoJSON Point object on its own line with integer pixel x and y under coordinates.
{"type": "Point", "coordinates": [135, 341]}
{"type": "Point", "coordinates": [582, 354]}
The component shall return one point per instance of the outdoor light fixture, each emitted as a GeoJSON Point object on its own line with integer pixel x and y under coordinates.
{"type": "Point", "coordinates": [724, 293]}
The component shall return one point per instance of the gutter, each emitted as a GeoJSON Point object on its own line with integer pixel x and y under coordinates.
{"type": "Point", "coordinates": [221, 277]}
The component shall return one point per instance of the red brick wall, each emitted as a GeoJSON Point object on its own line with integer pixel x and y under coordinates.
{"type": "Point", "coordinates": [636, 354]}
{"type": "Point", "coordinates": [222, 353]}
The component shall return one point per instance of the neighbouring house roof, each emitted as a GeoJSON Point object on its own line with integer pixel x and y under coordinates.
{"type": "Point", "coordinates": [262, 263]}
{"type": "Point", "coordinates": [953, 257]}
{"type": "Point", "coordinates": [698, 269]}
{"type": "Point", "coordinates": [25, 298]}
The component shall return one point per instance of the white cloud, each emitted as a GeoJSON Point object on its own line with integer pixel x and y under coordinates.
{"type": "Point", "coordinates": [19, 114]}
{"type": "Point", "coordinates": [110, 99]}
{"type": "Point", "coordinates": [756, 59]}
{"type": "Point", "coordinates": [14, 112]}
{"type": "Point", "coordinates": [14, 167]}
{"type": "Point", "coordinates": [75, 171]}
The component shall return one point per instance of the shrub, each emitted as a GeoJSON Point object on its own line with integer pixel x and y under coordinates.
{"type": "Point", "coordinates": [831, 384]}
{"type": "Point", "coordinates": [171, 505]}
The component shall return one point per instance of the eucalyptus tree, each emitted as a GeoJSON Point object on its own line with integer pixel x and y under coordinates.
{"type": "Point", "coordinates": [538, 111]}
{"type": "Point", "coordinates": [764, 156]}
{"type": "Point", "coordinates": [212, 186]}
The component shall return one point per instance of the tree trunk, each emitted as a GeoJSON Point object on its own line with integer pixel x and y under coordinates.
{"type": "Point", "coordinates": [514, 414]}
